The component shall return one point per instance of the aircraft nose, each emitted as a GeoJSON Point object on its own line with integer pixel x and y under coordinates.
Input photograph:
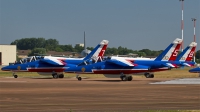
{"type": "Point", "coordinates": [8, 68]}
{"type": "Point", "coordinates": [194, 70]}
{"type": "Point", "coordinates": [3, 68]}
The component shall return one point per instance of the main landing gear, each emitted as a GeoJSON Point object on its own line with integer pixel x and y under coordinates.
{"type": "Point", "coordinates": [148, 75]}
{"type": "Point", "coordinates": [125, 78]}
{"type": "Point", "coordinates": [79, 78]}
{"type": "Point", "coordinates": [15, 75]}
{"type": "Point", "coordinates": [55, 75]}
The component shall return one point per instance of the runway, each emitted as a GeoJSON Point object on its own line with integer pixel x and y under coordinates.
{"type": "Point", "coordinates": [98, 94]}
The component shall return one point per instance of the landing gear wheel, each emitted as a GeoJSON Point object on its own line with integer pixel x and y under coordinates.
{"type": "Point", "coordinates": [15, 76]}
{"type": "Point", "coordinates": [124, 78]}
{"type": "Point", "coordinates": [55, 76]}
{"type": "Point", "coordinates": [147, 75]}
{"type": "Point", "coordinates": [129, 78]}
{"type": "Point", "coordinates": [61, 76]}
{"type": "Point", "coordinates": [79, 78]}
{"type": "Point", "coordinates": [152, 76]}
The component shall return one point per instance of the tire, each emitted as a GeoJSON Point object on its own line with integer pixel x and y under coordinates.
{"type": "Point", "coordinates": [147, 75]}
{"type": "Point", "coordinates": [55, 76]}
{"type": "Point", "coordinates": [61, 76]}
{"type": "Point", "coordinates": [121, 77]}
{"type": "Point", "coordinates": [124, 78]}
{"type": "Point", "coordinates": [152, 76]}
{"type": "Point", "coordinates": [15, 76]}
{"type": "Point", "coordinates": [79, 78]}
{"type": "Point", "coordinates": [130, 78]}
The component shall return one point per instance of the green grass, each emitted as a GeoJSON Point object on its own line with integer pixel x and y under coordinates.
{"type": "Point", "coordinates": [168, 111]}
{"type": "Point", "coordinates": [174, 73]}
{"type": "Point", "coordinates": [150, 111]}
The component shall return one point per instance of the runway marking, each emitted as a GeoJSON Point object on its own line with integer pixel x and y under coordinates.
{"type": "Point", "coordinates": [180, 81]}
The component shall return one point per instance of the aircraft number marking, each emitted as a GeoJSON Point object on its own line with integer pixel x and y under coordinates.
{"type": "Point", "coordinates": [103, 51]}
{"type": "Point", "coordinates": [191, 54]}
{"type": "Point", "coordinates": [175, 53]}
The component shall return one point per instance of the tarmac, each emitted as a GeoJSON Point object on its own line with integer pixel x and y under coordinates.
{"type": "Point", "coordinates": [96, 95]}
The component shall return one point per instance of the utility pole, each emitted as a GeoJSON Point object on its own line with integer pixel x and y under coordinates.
{"type": "Point", "coordinates": [182, 24]}
{"type": "Point", "coordinates": [194, 19]}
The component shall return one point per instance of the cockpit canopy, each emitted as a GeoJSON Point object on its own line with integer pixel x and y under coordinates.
{"type": "Point", "coordinates": [29, 59]}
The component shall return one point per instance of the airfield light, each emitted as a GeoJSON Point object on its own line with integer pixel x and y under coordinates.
{"type": "Point", "coordinates": [182, 24]}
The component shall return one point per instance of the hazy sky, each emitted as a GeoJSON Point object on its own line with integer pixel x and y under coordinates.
{"type": "Point", "coordinates": [135, 24]}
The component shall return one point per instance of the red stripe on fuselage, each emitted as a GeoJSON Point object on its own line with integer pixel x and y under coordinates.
{"type": "Point", "coordinates": [118, 71]}
{"type": "Point", "coordinates": [45, 69]}
{"type": "Point", "coordinates": [159, 69]}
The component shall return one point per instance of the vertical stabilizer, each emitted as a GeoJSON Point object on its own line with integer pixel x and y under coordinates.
{"type": "Point", "coordinates": [171, 52]}
{"type": "Point", "coordinates": [98, 51]}
{"type": "Point", "coordinates": [187, 53]}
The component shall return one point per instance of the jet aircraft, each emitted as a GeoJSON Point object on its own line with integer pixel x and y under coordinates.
{"type": "Point", "coordinates": [183, 59]}
{"type": "Point", "coordinates": [54, 66]}
{"type": "Point", "coordinates": [125, 67]}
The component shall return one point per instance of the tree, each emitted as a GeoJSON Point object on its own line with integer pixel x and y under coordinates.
{"type": "Point", "coordinates": [51, 44]}
{"type": "Point", "coordinates": [78, 48]}
{"type": "Point", "coordinates": [197, 54]}
{"type": "Point", "coordinates": [29, 43]}
{"type": "Point", "coordinates": [66, 48]}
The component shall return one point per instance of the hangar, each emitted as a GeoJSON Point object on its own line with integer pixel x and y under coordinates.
{"type": "Point", "coordinates": [7, 54]}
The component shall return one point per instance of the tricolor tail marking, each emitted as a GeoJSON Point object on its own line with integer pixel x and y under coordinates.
{"type": "Point", "coordinates": [171, 52]}
{"type": "Point", "coordinates": [97, 51]}
{"type": "Point", "coordinates": [187, 53]}
{"type": "Point", "coordinates": [175, 53]}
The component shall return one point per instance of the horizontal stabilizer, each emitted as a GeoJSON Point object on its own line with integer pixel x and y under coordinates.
{"type": "Point", "coordinates": [189, 64]}
{"type": "Point", "coordinates": [170, 65]}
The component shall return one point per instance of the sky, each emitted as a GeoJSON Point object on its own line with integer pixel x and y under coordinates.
{"type": "Point", "coordinates": [134, 24]}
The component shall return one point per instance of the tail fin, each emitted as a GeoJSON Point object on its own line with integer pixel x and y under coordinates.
{"type": "Point", "coordinates": [187, 53]}
{"type": "Point", "coordinates": [98, 52]}
{"type": "Point", "coordinates": [171, 52]}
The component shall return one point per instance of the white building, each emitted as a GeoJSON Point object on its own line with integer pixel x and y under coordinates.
{"type": "Point", "coordinates": [7, 54]}
{"type": "Point", "coordinates": [80, 44]}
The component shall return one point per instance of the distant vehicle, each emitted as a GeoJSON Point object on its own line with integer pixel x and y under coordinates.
{"type": "Point", "coordinates": [55, 66]}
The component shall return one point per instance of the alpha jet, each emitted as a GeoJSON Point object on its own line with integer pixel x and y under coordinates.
{"type": "Point", "coordinates": [54, 66]}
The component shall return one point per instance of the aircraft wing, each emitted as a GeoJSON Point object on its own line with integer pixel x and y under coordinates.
{"type": "Point", "coordinates": [54, 61]}
{"type": "Point", "coordinates": [121, 62]}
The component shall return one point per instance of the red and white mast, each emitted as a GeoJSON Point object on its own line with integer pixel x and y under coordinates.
{"type": "Point", "coordinates": [182, 24]}
{"type": "Point", "coordinates": [194, 19]}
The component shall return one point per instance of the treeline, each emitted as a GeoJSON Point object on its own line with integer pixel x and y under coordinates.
{"type": "Point", "coordinates": [43, 45]}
